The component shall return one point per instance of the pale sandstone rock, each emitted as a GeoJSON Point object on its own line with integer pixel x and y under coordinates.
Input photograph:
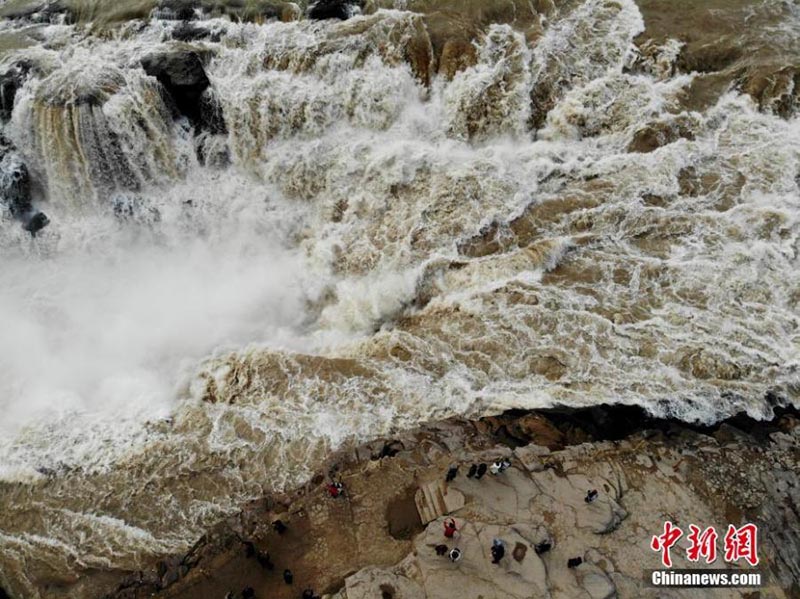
{"type": "Point", "coordinates": [541, 498]}
{"type": "Point", "coordinates": [475, 571]}
{"type": "Point", "coordinates": [595, 582]}
{"type": "Point", "coordinates": [435, 499]}
{"type": "Point", "coordinates": [374, 582]}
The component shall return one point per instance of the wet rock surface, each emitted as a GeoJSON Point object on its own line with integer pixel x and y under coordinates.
{"type": "Point", "coordinates": [182, 74]}
{"type": "Point", "coordinates": [16, 190]}
{"type": "Point", "coordinates": [348, 547]}
{"type": "Point", "coordinates": [10, 82]}
{"type": "Point", "coordinates": [36, 223]}
{"type": "Point", "coordinates": [333, 9]}
{"type": "Point", "coordinates": [654, 135]}
{"type": "Point", "coordinates": [15, 182]}
{"type": "Point", "coordinates": [719, 40]}
{"type": "Point", "coordinates": [181, 10]}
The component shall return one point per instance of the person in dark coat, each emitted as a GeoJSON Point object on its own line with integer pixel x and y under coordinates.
{"type": "Point", "coordinates": [249, 549]}
{"type": "Point", "coordinates": [264, 561]}
{"type": "Point", "coordinates": [481, 471]}
{"type": "Point", "coordinates": [498, 551]}
{"type": "Point", "coordinates": [451, 473]}
{"type": "Point", "coordinates": [542, 547]}
{"type": "Point", "coordinates": [288, 577]}
{"type": "Point", "coordinates": [574, 562]}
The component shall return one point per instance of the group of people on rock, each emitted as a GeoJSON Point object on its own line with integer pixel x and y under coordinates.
{"type": "Point", "coordinates": [477, 471]}
{"type": "Point", "coordinates": [498, 548]}
{"type": "Point", "coordinates": [249, 593]}
{"type": "Point", "coordinates": [335, 490]}
{"type": "Point", "coordinates": [264, 560]}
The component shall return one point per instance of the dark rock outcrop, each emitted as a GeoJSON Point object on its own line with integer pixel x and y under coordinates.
{"type": "Point", "coordinates": [15, 182]}
{"type": "Point", "coordinates": [180, 10]}
{"type": "Point", "coordinates": [184, 79]}
{"type": "Point", "coordinates": [10, 83]}
{"type": "Point", "coordinates": [333, 9]}
{"type": "Point", "coordinates": [15, 190]}
{"type": "Point", "coordinates": [36, 223]}
{"type": "Point", "coordinates": [189, 32]}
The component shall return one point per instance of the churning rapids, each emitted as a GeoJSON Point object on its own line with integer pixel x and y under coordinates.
{"type": "Point", "coordinates": [355, 226]}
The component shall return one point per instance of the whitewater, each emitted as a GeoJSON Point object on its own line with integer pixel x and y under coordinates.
{"type": "Point", "coordinates": [367, 244]}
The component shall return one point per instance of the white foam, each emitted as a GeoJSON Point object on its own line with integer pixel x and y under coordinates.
{"type": "Point", "coordinates": [100, 318]}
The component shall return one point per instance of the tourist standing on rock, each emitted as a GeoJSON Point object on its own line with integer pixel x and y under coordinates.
{"type": "Point", "coordinates": [455, 554]}
{"type": "Point", "coordinates": [481, 471]}
{"type": "Point", "coordinates": [591, 496]}
{"type": "Point", "coordinates": [499, 467]}
{"type": "Point", "coordinates": [263, 559]}
{"type": "Point", "coordinates": [335, 489]}
{"type": "Point", "coordinates": [451, 474]}
{"type": "Point", "coordinates": [288, 577]}
{"type": "Point", "coordinates": [473, 470]}
{"type": "Point", "coordinates": [441, 549]}
{"type": "Point", "coordinates": [543, 547]}
{"type": "Point", "coordinates": [249, 549]}
{"type": "Point", "coordinates": [309, 594]}
{"type": "Point", "coordinates": [498, 550]}
{"type": "Point", "coordinates": [450, 528]}
{"type": "Point", "coordinates": [248, 593]}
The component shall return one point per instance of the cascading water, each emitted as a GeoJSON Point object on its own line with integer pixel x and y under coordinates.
{"type": "Point", "coordinates": [382, 239]}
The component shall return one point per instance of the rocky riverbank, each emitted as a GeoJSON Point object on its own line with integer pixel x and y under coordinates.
{"type": "Point", "coordinates": [379, 539]}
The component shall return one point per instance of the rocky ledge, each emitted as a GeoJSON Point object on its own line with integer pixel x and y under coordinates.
{"type": "Point", "coordinates": [379, 539]}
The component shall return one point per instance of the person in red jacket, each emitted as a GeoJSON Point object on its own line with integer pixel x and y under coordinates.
{"type": "Point", "coordinates": [450, 528]}
{"type": "Point", "coordinates": [335, 489]}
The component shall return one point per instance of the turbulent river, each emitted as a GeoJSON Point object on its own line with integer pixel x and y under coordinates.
{"type": "Point", "coordinates": [429, 209]}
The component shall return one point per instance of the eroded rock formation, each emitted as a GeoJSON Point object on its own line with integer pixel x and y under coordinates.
{"type": "Point", "coordinates": [379, 540]}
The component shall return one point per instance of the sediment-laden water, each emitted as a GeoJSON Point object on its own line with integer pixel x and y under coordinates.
{"type": "Point", "coordinates": [311, 232]}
